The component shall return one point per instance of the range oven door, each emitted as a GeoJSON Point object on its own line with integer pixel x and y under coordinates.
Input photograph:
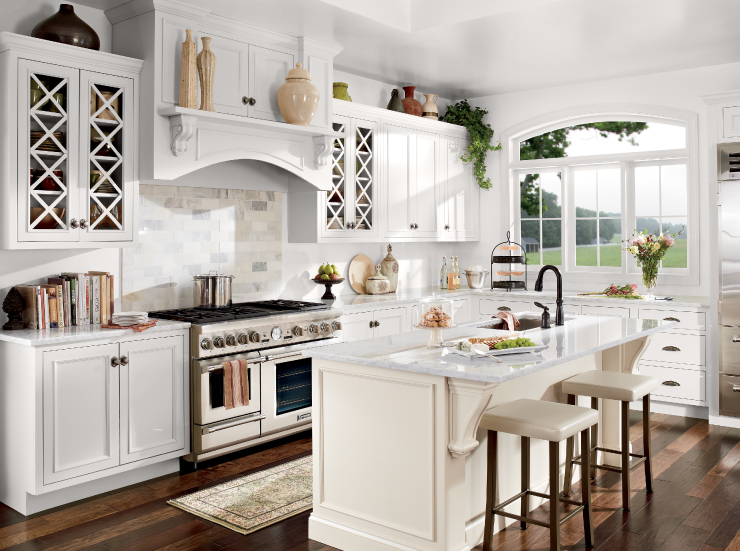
{"type": "Point", "coordinates": [286, 391]}
{"type": "Point", "coordinates": [208, 381]}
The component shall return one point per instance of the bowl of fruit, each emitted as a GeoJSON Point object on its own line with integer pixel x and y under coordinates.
{"type": "Point", "coordinates": [328, 275]}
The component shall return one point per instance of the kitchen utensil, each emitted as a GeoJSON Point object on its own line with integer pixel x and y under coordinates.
{"type": "Point", "coordinates": [48, 222]}
{"type": "Point", "coordinates": [476, 279]}
{"type": "Point", "coordinates": [212, 289]}
{"type": "Point", "coordinates": [520, 350]}
{"type": "Point", "coordinates": [328, 295]}
{"type": "Point", "coordinates": [360, 268]}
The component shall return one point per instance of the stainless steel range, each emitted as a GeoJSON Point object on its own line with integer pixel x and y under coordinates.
{"type": "Point", "coordinates": [270, 336]}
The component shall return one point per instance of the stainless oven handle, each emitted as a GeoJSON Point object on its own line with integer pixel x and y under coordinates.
{"type": "Point", "coordinates": [282, 356]}
{"type": "Point", "coordinates": [211, 368]}
{"type": "Point", "coordinates": [244, 420]}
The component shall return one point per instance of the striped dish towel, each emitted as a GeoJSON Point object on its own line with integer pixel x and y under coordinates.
{"type": "Point", "coordinates": [236, 383]}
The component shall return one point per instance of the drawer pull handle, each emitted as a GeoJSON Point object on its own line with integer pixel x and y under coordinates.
{"type": "Point", "coordinates": [504, 309]}
{"type": "Point", "coordinates": [671, 383]}
{"type": "Point", "coordinates": [735, 388]}
{"type": "Point", "coordinates": [671, 349]}
{"type": "Point", "coordinates": [672, 319]}
{"type": "Point", "coordinates": [736, 338]}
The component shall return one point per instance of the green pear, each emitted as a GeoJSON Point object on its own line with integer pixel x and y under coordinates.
{"type": "Point", "coordinates": [322, 269]}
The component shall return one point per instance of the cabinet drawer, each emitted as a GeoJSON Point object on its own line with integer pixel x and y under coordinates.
{"type": "Point", "coordinates": [686, 320]}
{"type": "Point", "coordinates": [491, 307]}
{"type": "Point", "coordinates": [685, 384]}
{"type": "Point", "coordinates": [605, 311]}
{"type": "Point", "coordinates": [226, 433]}
{"type": "Point", "coordinates": [676, 348]}
{"type": "Point", "coordinates": [729, 395]}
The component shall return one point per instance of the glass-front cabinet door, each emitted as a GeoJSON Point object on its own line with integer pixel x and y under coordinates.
{"type": "Point", "coordinates": [335, 208]}
{"type": "Point", "coordinates": [364, 133]}
{"type": "Point", "coordinates": [47, 152]}
{"type": "Point", "coordinates": [106, 175]}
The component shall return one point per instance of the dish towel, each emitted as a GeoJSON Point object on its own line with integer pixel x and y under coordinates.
{"type": "Point", "coordinates": [509, 320]}
{"type": "Point", "coordinates": [236, 383]}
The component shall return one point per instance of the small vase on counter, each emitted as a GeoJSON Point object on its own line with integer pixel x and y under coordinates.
{"type": "Point", "coordinates": [410, 104]}
{"type": "Point", "coordinates": [207, 72]}
{"type": "Point", "coordinates": [396, 104]}
{"type": "Point", "coordinates": [389, 268]}
{"type": "Point", "coordinates": [429, 109]}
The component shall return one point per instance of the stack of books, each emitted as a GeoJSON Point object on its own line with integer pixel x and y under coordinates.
{"type": "Point", "coordinates": [67, 300]}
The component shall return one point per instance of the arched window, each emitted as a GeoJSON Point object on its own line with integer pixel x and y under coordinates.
{"type": "Point", "coordinates": [581, 180]}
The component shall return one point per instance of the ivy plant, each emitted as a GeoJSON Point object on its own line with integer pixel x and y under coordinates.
{"type": "Point", "coordinates": [481, 135]}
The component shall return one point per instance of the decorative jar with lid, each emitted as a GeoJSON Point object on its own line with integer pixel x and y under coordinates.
{"type": "Point", "coordinates": [435, 314]}
{"type": "Point", "coordinates": [377, 284]}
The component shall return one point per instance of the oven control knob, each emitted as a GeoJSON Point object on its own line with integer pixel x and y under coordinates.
{"type": "Point", "coordinates": [206, 344]}
{"type": "Point", "coordinates": [325, 328]}
{"type": "Point", "coordinates": [231, 340]}
{"type": "Point", "coordinates": [298, 331]}
{"type": "Point", "coordinates": [255, 337]}
{"type": "Point", "coordinates": [313, 329]}
{"type": "Point", "coordinates": [336, 325]}
{"type": "Point", "coordinates": [219, 342]}
{"type": "Point", "coordinates": [242, 338]}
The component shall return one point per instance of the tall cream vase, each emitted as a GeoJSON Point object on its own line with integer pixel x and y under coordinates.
{"type": "Point", "coordinates": [188, 73]}
{"type": "Point", "coordinates": [207, 72]}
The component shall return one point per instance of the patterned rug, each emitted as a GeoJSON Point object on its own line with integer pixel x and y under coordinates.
{"type": "Point", "coordinates": [257, 500]}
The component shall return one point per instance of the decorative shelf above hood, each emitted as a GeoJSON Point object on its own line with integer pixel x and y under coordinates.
{"type": "Point", "coordinates": [204, 138]}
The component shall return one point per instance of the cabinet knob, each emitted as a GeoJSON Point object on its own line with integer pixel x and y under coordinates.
{"type": "Point", "coordinates": [83, 223]}
{"type": "Point", "coordinates": [372, 324]}
{"type": "Point", "coordinates": [416, 226]}
{"type": "Point", "coordinates": [412, 226]}
{"type": "Point", "coordinates": [124, 360]}
{"type": "Point", "coordinates": [248, 101]}
{"type": "Point", "coordinates": [447, 226]}
{"type": "Point", "coordinates": [504, 309]}
{"type": "Point", "coordinates": [114, 361]}
{"type": "Point", "coordinates": [376, 324]}
{"type": "Point", "coordinates": [74, 223]}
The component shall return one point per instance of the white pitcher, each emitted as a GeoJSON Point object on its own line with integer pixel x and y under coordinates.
{"type": "Point", "coordinates": [429, 109]}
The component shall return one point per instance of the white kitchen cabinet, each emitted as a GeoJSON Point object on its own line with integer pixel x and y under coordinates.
{"type": "Point", "coordinates": [461, 194]}
{"type": "Point", "coordinates": [613, 311]}
{"type": "Point", "coordinates": [80, 411]}
{"type": "Point", "coordinates": [358, 326]}
{"type": "Point", "coordinates": [231, 91]}
{"type": "Point", "coordinates": [72, 117]}
{"type": "Point", "coordinates": [152, 383]}
{"type": "Point", "coordinates": [392, 321]}
{"type": "Point", "coordinates": [267, 72]}
{"type": "Point", "coordinates": [461, 311]}
{"type": "Point", "coordinates": [731, 122]}
{"type": "Point", "coordinates": [412, 184]}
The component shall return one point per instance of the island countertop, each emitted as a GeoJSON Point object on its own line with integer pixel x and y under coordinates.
{"type": "Point", "coordinates": [580, 336]}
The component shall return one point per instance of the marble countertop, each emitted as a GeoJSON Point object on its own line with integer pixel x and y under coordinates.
{"type": "Point", "coordinates": [580, 336]}
{"type": "Point", "coordinates": [80, 333]}
{"type": "Point", "coordinates": [348, 303]}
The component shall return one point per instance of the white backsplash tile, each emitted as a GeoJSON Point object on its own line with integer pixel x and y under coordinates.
{"type": "Point", "coordinates": [184, 231]}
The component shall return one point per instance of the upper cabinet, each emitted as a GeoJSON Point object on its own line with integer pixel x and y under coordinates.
{"type": "Point", "coordinates": [68, 150]}
{"type": "Point", "coordinates": [394, 178]}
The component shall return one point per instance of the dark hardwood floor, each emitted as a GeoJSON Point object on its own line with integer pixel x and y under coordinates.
{"type": "Point", "coordinates": [695, 506]}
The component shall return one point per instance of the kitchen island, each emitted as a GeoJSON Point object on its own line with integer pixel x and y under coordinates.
{"type": "Point", "coordinates": [397, 460]}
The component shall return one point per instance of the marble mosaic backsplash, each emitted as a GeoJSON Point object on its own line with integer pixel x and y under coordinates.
{"type": "Point", "coordinates": [185, 231]}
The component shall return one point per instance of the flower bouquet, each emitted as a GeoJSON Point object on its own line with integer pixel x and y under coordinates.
{"type": "Point", "coordinates": [649, 250]}
{"type": "Point", "coordinates": [615, 291]}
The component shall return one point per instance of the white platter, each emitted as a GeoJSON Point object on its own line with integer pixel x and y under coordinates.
{"type": "Point", "coordinates": [503, 352]}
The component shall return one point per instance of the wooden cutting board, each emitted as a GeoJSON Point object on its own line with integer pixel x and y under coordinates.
{"type": "Point", "coordinates": [359, 270]}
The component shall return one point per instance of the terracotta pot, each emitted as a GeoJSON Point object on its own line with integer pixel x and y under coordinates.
{"type": "Point", "coordinates": [412, 106]}
{"type": "Point", "coordinates": [395, 104]}
{"type": "Point", "coordinates": [429, 109]}
{"type": "Point", "coordinates": [207, 72]}
{"type": "Point", "coordinates": [65, 27]}
{"type": "Point", "coordinates": [298, 99]}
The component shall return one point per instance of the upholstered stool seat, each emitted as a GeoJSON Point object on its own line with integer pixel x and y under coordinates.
{"type": "Point", "coordinates": [545, 421]}
{"type": "Point", "coordinates": [625, 388]}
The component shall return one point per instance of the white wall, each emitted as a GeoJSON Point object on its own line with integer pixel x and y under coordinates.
{"type": "Point", "coordinates": [676, 89]}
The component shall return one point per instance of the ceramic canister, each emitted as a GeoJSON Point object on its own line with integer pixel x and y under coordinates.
{"type": "Point", "coordinates": [389, 268]}
{"type": "Point", "coordinates": [298, 99]}
{"type": "Point", "coordinates": [429, 109]}
{"type": "Point", "coordinates": [377, 284]}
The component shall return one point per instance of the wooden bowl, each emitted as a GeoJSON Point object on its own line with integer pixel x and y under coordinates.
{"type": "Point", "coordinates": [48, 222]}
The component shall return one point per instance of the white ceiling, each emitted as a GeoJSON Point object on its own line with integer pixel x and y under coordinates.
{"type": "Point", "coordinates": [471, 48]}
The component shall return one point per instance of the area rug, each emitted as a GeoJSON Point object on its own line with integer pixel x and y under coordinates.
{"type": "Point", "coordinates": [260, 499]}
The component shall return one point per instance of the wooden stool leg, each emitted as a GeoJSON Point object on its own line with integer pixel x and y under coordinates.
{"type": "Point", "coordinates": [490, 490]}
{"type": "Point", "coordinates": [525, 479]}
{"type": "Point", "coordinates": [588, 523]}
{"type": "Point", "coordinates": [646, 442]}
{"type": "Point", "coordinates": [594, 441]}
{"type": "Point", "coordinates": [554, 496]}
{"type": "Point", "coordinates": [626, 456]}
{"type": "Point", "coordinates": [569, 450]}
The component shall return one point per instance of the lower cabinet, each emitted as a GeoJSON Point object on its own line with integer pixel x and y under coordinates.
{"type": "Point", "coordinates": [358, 326]}
{"type": "Point", "coordinates": [108, 405]}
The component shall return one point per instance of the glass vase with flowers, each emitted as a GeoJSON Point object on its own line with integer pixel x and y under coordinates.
{"type": "Point", "coordinates": [649, 250]}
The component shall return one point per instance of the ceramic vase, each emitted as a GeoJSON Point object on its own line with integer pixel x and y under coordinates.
{"type": "Point", "coordinates": [395, 104]}
{"type": "Point", "coordinates": [207, 72]}
{"type": "Point", "coordinates": [411, 105]}
{"type": "Point", "coordinates": [65, 27]}
{"type": "Point", "coordinates": [340, 91]}
{"type": "Point", "coordinates": [389, 268]}
{"type": "Point", "coordinates": [298, 99]}
{"type": "Point", "coordinates": [429, 109]}
{"type": "Point", "coordinates": [188, 73]}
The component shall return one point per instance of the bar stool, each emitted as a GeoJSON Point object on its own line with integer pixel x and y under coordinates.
{"type": "Point", "coordinates": [626, 388]}
{"type": "Point", "coordinates": [545, 421]}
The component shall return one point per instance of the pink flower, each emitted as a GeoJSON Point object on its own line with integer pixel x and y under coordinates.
{"type": "Point", "coordinates": [641, 240]}
{"type": "Point", "coordinates": [634, 287]}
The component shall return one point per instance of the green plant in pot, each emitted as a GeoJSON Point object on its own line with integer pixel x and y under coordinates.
{"type": "Point", "coordinates": [481, 135]}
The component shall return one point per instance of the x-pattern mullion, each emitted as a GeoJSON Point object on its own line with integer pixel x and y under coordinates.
{"type": "Point", "coordinates": [49, 95]}
{"type": "Point", "coordinates": [49, 133]}
{"type": "Point", "coordinates": [107, 175]}
{"type": "Point", "coordinates": [106, 140]}
{"type": "Point", "coordinates": [49, 172]}
{"type": "Point", "coordinates": [365, 159]}
{"type": "Point", "coordinates": [48, 209]}
{"type": "Point", "coordinates": [107, 103]}
{"type": "Point", "coordinates": [106, 212]}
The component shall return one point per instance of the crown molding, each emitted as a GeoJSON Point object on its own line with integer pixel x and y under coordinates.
{"type": "Point", "coordinates": [249, 32]}
{"type": "Point", "coordinates": [135, 8]}
{"type": "Point", "coordinates": [331, 50]}
{"type": "Point", "coordinates": [721, 97]}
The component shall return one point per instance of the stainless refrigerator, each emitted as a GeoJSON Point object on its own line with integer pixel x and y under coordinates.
{"type": "Point", "coordinates": [729, 285]}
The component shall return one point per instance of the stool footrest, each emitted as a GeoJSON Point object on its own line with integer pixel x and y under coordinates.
{"type": "Point", "coordinates": [497, 510]}
{"type": "Point", "coordinates": [616, 452]}
{"type": "Point", "coordinates": [640, 461]}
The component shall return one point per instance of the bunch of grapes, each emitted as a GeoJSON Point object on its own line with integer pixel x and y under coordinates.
{"type": "Point", "coordinates": [514, 343]}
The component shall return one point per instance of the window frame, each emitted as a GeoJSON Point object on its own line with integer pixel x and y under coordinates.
{"type": "Point", "coordinates": [512, 167]}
